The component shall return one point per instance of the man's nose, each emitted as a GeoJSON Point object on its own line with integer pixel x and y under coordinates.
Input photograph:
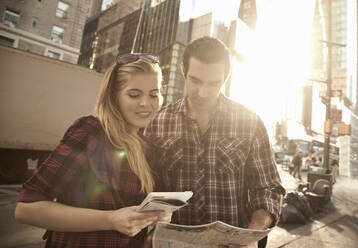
{"type": "Point", "coordinates": [203, 92]}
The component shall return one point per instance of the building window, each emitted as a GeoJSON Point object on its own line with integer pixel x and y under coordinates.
{"type": "Point", "coordinates": [53, 55]}
{"type": "Point", "coordinates": [11, 18]}
{"type": "Point", "coordinates": [57, 34]}
{"type": "Point", "coordinates": [62, 9]}
{"type": "Point", "coordinates": [5, 41]}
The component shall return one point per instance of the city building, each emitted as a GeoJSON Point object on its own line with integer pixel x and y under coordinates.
{"type": "Point", "coordinates": [51, 28]}
{"type": "Point", "coordinates": [109, 33]}
{"type": "Point", "coordinates": [343, 77]}
{"type": "Point", "coordinates": [248, 13]}
{"type": "Point", "coordinates": [157, 32]}
{"type": "Point", "coordinates": [349, 144]}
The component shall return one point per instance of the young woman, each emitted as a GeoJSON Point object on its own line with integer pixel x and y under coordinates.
{"type": "Point", "coordinates": [86, 192]}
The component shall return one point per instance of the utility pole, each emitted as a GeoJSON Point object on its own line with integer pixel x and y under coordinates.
{"type": "Point", "coordinates": [329, 81]}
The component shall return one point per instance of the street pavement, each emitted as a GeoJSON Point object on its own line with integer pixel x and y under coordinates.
{"type": "Point", "coordinates": [336, 225]}
{"type": "Point", "coordinates": [14, 234]}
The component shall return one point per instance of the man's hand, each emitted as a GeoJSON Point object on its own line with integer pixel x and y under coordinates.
{"type": "Point", "coordinates": [260, 220]}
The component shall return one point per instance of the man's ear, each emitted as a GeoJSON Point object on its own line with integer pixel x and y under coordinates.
{"type": "Point", "coordinates": [182, 70]}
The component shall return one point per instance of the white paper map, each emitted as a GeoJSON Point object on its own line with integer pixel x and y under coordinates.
{"type": "Point", "coordinates": [165, 201]}
{"type": "Point", "coordinates": [210, 235]}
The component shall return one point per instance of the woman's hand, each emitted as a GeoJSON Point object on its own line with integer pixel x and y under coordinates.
{"type": "Point", "coordinates": [130, 222]}
{"type": "Point", "coordinates": [165, 217]}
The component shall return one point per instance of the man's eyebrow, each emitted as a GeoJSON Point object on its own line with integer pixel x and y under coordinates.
{"type": "Point", "coordinates": [211, 82]}
{"type": "Point", "coordinates": [195, 78]}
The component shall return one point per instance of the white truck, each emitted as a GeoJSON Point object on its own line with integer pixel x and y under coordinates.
{"type": "Point", "coordinates": [39, 99]}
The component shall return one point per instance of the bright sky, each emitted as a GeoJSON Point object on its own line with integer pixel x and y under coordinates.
{"type": "Point", "coordinates": [279, 55]}
{"type": "Point", "coordinates": [105, 2]}
{"type": "Point", "coordinates": [225, 10]}
{"type": "Point", "coordinates": [278, 51]}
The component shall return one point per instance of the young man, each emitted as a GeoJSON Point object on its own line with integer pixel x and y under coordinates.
{"type": "Point", "coordinates": [214, 147]}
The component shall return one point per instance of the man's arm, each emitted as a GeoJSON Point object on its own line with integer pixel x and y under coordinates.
{"type": "Point", "coordinates": [260, 220]}
{"type": "Point", "coordinates": [265, 189]}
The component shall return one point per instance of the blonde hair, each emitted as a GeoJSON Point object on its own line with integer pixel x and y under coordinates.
{"type": "Point", "coordinates": [115, 126]}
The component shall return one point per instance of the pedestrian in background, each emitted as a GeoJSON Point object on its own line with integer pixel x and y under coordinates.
{"type": "Point", "coordinates": [87, 190]}
{"type": "Point", "coordinates": [334, 170]}
{"type": "Point", "coordinates": [308, 161]}
{"type": "Point", "coordinates": [215, 147]}
{"type": "Point", "coordinates": [297, 164]}
{"type": "Point", "coordinates": [314, 162]}
{"type": "Point", "coordinates": [320, 162]}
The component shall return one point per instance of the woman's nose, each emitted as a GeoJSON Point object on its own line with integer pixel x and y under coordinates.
{"type": "Point", "coordinates": [144, 101]}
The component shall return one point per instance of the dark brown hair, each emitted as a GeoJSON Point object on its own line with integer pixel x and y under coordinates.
{"type": "Point", "coordinates": [207, 50]}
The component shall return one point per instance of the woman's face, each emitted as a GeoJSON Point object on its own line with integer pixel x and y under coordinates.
{"type": "Point", "coordinates": [138, 99]}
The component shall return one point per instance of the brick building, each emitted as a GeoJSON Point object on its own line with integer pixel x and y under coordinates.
{"type": "Point", "coordinates": [52, 28]}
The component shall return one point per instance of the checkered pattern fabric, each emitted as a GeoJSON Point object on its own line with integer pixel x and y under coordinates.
{"type": "Point", "coordinates": [230, 168]}
{"type": "Point", "coordinates": [86, 171]}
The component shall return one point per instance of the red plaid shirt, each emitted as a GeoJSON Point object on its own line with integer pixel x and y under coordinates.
{"type": "Point", "coordinates": [230, 168]}
{"type": "Point", "coordinates": [86, 171]}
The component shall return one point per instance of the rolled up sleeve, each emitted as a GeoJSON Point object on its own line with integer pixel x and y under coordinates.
{"type": "Point", "coordinates": [55, 174]}
{"type": "Point", "coordinates": [265, 189]}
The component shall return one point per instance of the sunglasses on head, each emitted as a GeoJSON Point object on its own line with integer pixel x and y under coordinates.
{"type": "Point", "coordinates": [132, 57]}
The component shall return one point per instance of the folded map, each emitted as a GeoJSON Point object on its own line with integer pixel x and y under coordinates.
{"type": "Point", "coordinates": [165, 201]}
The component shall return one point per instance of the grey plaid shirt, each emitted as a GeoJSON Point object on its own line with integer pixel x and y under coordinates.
{"type": "Point", "coordinates": [230, 168]}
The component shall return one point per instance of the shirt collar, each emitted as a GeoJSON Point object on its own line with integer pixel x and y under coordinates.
{"type": "Point", "coordinates": [221, 105]}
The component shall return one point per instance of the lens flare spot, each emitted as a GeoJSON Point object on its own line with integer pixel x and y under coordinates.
{"type": "Point", "coordinates": [122, 154]}
{"type": "Point", "coordinates": [100, 187]}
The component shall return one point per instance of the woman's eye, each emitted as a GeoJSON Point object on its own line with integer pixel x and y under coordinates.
{"type": "Point", "coordinates": [133, 96]}
{"type": "Point", "coordinates": [154, 95]}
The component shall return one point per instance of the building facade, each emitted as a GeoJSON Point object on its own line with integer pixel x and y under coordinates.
{"type": "Point", "coordinates": [51, 28]}
{"type": "Point", "coordinates": [319, 59]}
{"type": "Point", "coordinates": [109, 33]}
{"type": "Point", "coordinates": [343, 74]}
{"type": "Point", "coordinates": [349, 155]}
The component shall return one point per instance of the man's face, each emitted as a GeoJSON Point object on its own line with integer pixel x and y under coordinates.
{"type": "Point", "coordinates": [203, 83]}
